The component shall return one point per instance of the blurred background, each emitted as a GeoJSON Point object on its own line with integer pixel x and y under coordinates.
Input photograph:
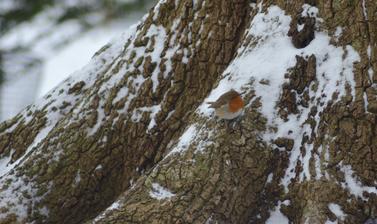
{"type": "Point", "coordinates": [42, 42]}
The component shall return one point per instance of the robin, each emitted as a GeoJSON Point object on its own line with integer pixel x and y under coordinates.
{"type": "Point", "coordinates": [228, 106]}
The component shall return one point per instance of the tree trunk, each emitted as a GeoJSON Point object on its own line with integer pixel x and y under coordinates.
{"type": "Point", "coordinates": [129, 139]}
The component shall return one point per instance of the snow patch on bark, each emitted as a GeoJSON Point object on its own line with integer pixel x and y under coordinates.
{"type": "Point", "coordinates": [337, 210]}
{"type": "Point", "coordinates": [353, 185]}
{"type": "Point", "coordinates": [184, 141]}
{"type": "Point", "coordinates": [153, 110]}
{"type": "Point", "coordinates": [160, 193]}
{"type": "Point", "coordinates": [113, 206]}
{"type": "Point", "coordinates": [365, 11]}
{"type": "Point", "coordinates": [338, 33]}
{"type": "Point", "coordinates": [277, 217]}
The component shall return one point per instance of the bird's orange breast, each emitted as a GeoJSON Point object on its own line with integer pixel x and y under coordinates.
{"type": "Point", "coordinates": [236, 104]}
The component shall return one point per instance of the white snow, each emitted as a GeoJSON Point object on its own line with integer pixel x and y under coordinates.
{"type": "Point", "coordinates": [202, 145]}
{"type": "Point", "coordinates": [27, 33]}
{"type": "Point", "coordinates": [113, 206]}
{"type": "Point", "coordinates": [156, 9]}
{"type": "Point", "coordinates": [185, 140]}
{"type": "Point", "coordinates": [270, 177]}
{"type": "Point", "coordinates": [160, 193]}
{"type": "Point", "coordinates": [7, 5]}
{"type": "Point", "coordinates": [67, 60]}
{"type": "Point", "coordinates": [369, 51]}
{"type": "Point", "coordinates": [365, 10]}
{"type": "Point", "coordinates": [276, 217]}
{"type": "Point", "coordinates": [370, 73]}
{"type": "Point", "coordinates": [337, 210]}
{"type": "Point", "coordinates": [370, 70]}
{"type": "Point", "coordinates": [4, 163]}
{"type": "Point", "coordinates": [338, 32]}
{"type": "Point", "coordinates": [99, 167]}
{"type": "Point", "coordinates": [353, 185]}
{"type": "Point", "coordinates": [17, 92]}
{"type": "Point", "coordinates": [317, 159]}
{"type": "Point", "coordinates": [305, 175]}
{"type": "Point", "coordinates": [78, 177]}
{"type": "Point", "coordinates": [300, 27]}
{"type": "Point", "coordinates": [153, 110]}
{"type": "Point", "coordinates": [309, 10]}
{"type": "Point", "coordinates": [366, 103]}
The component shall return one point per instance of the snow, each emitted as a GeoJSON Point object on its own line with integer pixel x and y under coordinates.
{"type": "Point", "coordinates": [153, 110]}
{"type": "Point", "coordinates": [64, 62]}
{"type": "Point", "coordinates": [156, 9]}
{"type": "Point", "coordinates": [4, 163]}
{"type": "Point", "coordinates": [276, 217]}
{"type": "Point", "coordinates": [306, 172]}
{"type": "Point", "coordinates": [7, 5]}
{"type": "Point", "coordinates": [366, 103]}
{"type": "Point", "coordinates": [99, 167]}
{"type": "Point", "coordinates": [202, 145]}
{"type": "Point", "coordinates": [27, 33]}
{"type": "Point", "coordinates": [338, 32]}
{"type": "Point", "coordinates": [113, 206]}
{"type": "Point", "coordinates": [160, 193]}
{"type": "Point", "coordinates": [353, 185]}
{"type": "Point", "coordinates": [370, 73]}
{"type": "Point", "coordinates": [78, 177]}
{"type": "Point", "coordinates": [300, 27]}
{"type": "Point", "coordinates": [185, 140]}
{"type": "Point", "coordinates": [369, 51]}
{"type": "Point", "coordinates": [270, 177]}
{"type": "Point", "coordinates": [309, 10]}
{"type": "Point", "coordinates": [337, 210]}
{"type": "Point", "coordinates": [365, 10]}
{"type": "Point", "coordinates": [14, 92]}
{"type": "Point", "coordinates": [317, 159]}
{"type": "Point", "coordinates": [370, 70]}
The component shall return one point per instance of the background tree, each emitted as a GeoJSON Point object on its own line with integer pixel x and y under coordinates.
{"type": "Point", "coordinates": [133, 134]}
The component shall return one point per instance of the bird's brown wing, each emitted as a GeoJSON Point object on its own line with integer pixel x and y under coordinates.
{"type": "Point", "coordinates": [223, 99]}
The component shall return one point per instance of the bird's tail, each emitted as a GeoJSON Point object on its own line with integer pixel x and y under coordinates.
{"type": "Point", "coordinates": [211, 104]}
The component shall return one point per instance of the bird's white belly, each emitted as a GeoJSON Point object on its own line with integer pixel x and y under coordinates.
{"type": "Point", "coordinates": [224, 113]}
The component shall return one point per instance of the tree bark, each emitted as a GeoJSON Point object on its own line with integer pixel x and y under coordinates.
{"type": "Point", "coordinates": [112, 133]}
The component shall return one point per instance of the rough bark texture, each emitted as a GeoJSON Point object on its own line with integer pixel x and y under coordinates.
{"type": "Point", "coordinates": [97, 153]}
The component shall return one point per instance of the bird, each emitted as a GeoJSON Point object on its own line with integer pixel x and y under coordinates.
{"type": "Point", "coordinates": [228, 106]}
